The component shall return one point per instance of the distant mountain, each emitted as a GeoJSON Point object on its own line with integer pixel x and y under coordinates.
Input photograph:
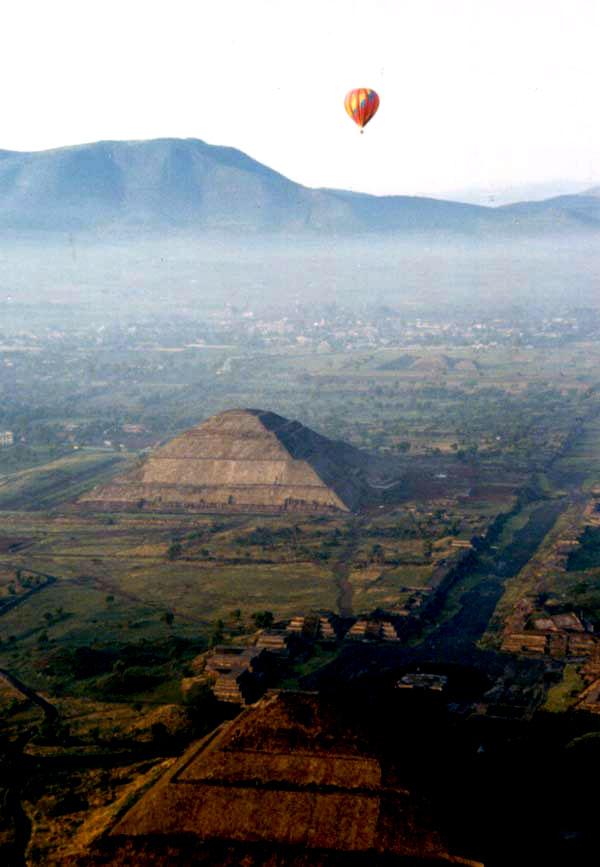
{"type": "Point", "coordinates": [559, 213]}
{"type": "Point", "coordinates": [498, 195]}
{"type": "Point", "coordinates": [186, 184]}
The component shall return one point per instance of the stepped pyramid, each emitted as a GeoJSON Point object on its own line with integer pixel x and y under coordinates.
{"type": "Point", "coordinates": [242, 460]}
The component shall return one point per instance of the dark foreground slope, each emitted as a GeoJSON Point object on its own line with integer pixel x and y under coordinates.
{"type": "Point", "coordinates": [294, 780]}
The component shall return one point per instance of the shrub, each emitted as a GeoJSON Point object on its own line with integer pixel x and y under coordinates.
{"type": "Point", "coordinates": [174, 551]}
{"type": "Point", "coordinates": [263, 619]}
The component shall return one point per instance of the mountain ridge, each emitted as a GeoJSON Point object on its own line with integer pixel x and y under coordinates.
{"type": "Point", "coordinates": [188, 184]}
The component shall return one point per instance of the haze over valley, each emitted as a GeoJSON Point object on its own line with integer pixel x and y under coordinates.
{"type": "Point", "coordinates": [121, 230]}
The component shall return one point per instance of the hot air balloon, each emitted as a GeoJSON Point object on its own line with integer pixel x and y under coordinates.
{"type": "Point", "coordinates": [361, 104]}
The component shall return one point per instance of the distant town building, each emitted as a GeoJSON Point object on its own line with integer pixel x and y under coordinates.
{"type": "Point", "coordinates": [423, 680]}
{"type": "Point", "coordinates": [226, 666]}
{"type": "Point", "coordinates": [558, 636]}
{"type": "Point", "coordinates": [296, 625]}
{"type": "Point", "coordinates": [326, 630]}
{"type": "Point", "coordinates": [461, 543]}
{"type": "Point", "coordinates": [6, 438]}
{"type": "Point", "coordinates": [226, 659]}
{"type": "Point", "coordinates": [273, 640]}
{"type": "Point", "coordinates": [358, 631]}
{"type": "Point", "coordinates": [312, 627]}
{"type": "Point", "coordinates": [388, 631]}
{"type": "Point", "coordinates": [372, 630]}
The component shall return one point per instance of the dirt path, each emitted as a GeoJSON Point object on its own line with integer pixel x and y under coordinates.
{"type": "Point", "coordinates": [341, 570]}
{"type": "Point", "coordinates": [9, 603]}
{"type": "Point", "coordinates": [49, 709]}
{"type": "Point", "coordinates": [55, 487]}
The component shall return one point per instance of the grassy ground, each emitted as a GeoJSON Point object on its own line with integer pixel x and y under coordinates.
{"type": "Point", "coordinates": [116, 575]}
{"type": "Point", "coordinates": [321, 657]}
{"type": "Point", "coordinates": [46, 485]}
{"type": "Point", "coordinates": [390, 589]}
{"type": "Point", "coordinates": [561, 696]}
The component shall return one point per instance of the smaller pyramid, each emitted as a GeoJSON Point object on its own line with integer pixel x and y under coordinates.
{"type": "Point", "coordinates": [242, 460]}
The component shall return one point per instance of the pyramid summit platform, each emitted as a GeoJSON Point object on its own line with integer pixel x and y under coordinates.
{"type": "Point", "coordinates": [242, 460]}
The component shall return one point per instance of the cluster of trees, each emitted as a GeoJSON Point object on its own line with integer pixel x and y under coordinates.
{"type": "Point", "coordinates": [222, 632]}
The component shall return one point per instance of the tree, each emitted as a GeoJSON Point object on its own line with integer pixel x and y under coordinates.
{"type": "Point", "coordinates": [160, 734]}
{"type": "Point", "coordinates": [263, 619]}
{"type": "Point", "coordinates": [218, 633]}
{"type": "Point", "coordinates": [174, 550]}
{"type": "Point", "coordinates": [377, 554]}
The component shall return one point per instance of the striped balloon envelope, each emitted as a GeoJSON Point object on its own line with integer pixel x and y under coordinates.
{"type": "Point", "coordinates": [361, 104]}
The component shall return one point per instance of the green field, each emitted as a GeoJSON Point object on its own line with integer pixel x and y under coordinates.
{"type": "Point", "coordinates": [45, 485]}
{"type": "Point", "coordinates": [466, 429]}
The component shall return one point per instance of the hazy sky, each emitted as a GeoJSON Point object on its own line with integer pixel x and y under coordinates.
{"type": "Point", "coordinates": [474, 93]}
